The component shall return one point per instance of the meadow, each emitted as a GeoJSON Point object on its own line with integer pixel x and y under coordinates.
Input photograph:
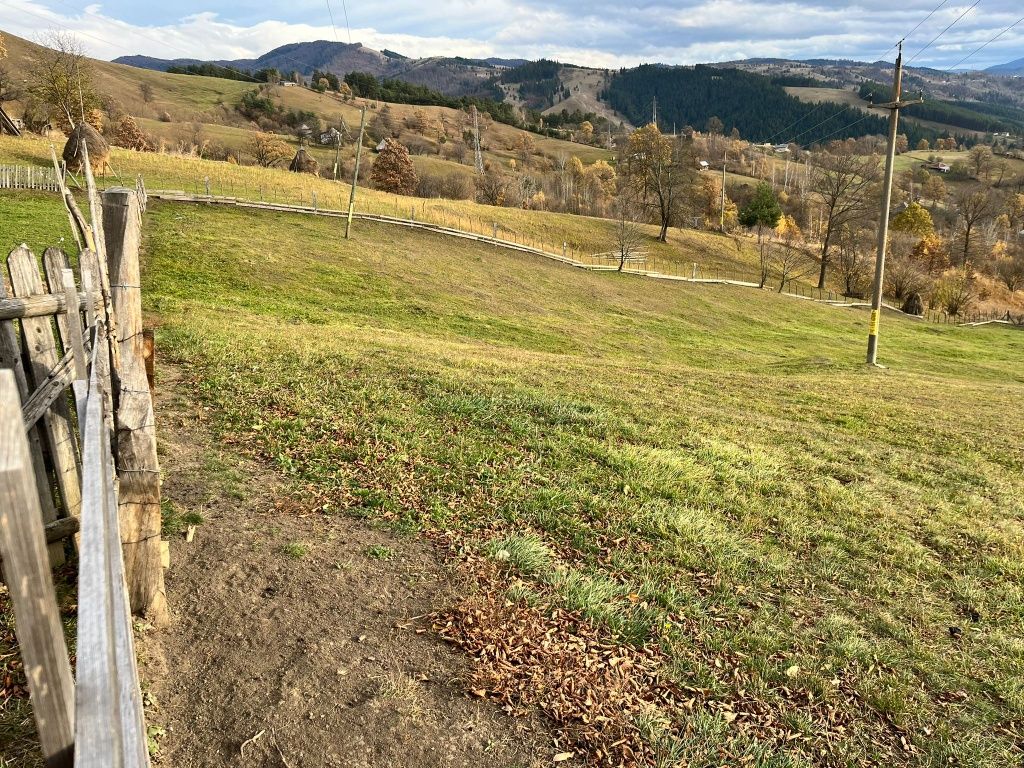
{"type": "Point", "coordinates": [829, 555]}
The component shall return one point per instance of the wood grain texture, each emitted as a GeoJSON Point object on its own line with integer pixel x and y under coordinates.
{"type": "Point", "coordinates": [138, 468]}
{"type": "Point", "coordinates": [27, 571]}
{"type": "Point", "coordinates": [43, 358]}
{"type": "Point", "coordinates": [10, 359]}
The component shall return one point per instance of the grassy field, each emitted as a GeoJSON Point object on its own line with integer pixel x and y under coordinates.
{"type": "Point", "coordinates": [830, 556]}
{"type": "Point", "coordinates": [548, 230]}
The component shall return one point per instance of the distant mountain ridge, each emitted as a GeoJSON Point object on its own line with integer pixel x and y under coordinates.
{"type": "Point", "coordinates": [1015, 67]}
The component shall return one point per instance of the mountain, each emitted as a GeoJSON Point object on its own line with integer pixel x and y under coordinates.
{"type": "Point", "coordinates": [1015, 67]}
{"type": "Point", "coordinates": [452, 76]}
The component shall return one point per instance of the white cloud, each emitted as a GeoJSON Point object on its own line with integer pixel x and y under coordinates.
{"type": "Point", "coordinates": [603, 33]}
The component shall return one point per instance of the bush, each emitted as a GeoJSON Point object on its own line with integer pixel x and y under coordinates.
{"type": "Point", "coordinates": [452, 186]}
{"type": "Point", "coordinates": [953, 293]}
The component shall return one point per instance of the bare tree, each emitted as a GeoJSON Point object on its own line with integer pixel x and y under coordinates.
{"type": "Point", "coordinates": [789, 259]}
{"type": "Point", "coordinates": [843, 183]}
{"type": "Point", "coordinates": [146, 91]}
{"type": "Point", "coordinates": [974, 207]}
{"type": "Point", "coordinates": [62, 78]}
{"type": "Point", "coordinates": [856, 257]}
{"type": "Point", "coordinates": [628, 234]}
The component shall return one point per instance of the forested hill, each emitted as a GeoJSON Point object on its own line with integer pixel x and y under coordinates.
{"type": "Point", "coordinates": [759, 109]}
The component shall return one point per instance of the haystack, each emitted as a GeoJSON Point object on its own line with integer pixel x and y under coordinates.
{"type": "Point", "coordinates": [99, 150]}
{"type": "Point", "coordinates": [303, 162]}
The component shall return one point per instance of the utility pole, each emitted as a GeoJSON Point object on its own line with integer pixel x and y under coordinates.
{"type": "Point", "coordinates": [355, 173]}
{"type": "Point", "coordinates": [654, 112]}
{"type": "Point", "coordinates": [721, 224]}
{"type": "Point", "coordinates": [478, 158]}
{"type": "Point", "coordinates": [894, 107]}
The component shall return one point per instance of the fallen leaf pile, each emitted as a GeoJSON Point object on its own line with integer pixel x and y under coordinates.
{"type": "Point", "coordinates": [595, 690]}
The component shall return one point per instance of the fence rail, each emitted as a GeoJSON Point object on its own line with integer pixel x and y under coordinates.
{"type": "Point", "coordinates": [71, 407]}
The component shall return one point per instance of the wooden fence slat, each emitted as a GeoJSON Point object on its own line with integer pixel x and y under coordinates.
{"type": "Point", "coordinates": [138, 467]}
{"type": "Point", "coordinates": [11, 359]}
{"type": "Point", "coordinates": [43, 358]}
{"type": "Point", "coordinates": [96, 743]}
{"type": "Point", "coordinates": [55, 261]}
{"type": "Point", "coordinates": [73, 336]}
{"type": "Point", "coordinates": [27, 571]}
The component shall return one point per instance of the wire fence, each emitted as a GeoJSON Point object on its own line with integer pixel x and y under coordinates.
{"type": "Point", "coordinates": [313, 194]}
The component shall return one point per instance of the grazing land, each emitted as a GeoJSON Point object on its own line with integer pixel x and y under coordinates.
{"type": "Point", "coordinates": [827, 558]}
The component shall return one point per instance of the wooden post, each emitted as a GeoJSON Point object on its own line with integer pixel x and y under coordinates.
{"type": "Point", "coordinates": [27, 571]}
{"type": "Point", "coordinates": [138, 468]}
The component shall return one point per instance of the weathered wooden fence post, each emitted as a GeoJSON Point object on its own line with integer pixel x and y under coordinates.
{"type": "Point", "coordinates": [138, 468]}
{"type": "Point", "coordinates": [27, 571]}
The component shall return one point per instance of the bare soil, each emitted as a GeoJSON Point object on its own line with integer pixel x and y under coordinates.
{"type": "Point", "coordinates": [298, 639]}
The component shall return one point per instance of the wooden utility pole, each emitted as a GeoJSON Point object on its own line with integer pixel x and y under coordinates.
{"type": "Point", "coordinates": [721, 223]}
{"type": "Point", "coordinates": [894, 107]}
{"type": "Point", "coordinates": [355, 173]}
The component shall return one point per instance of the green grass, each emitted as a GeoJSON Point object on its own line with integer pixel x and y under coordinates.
{"type": "Point", "coordinates": [711, 468]}
{"type": "Point", "coordinates": [582, 236]}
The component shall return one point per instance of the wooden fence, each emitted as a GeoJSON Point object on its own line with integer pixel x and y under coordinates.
{"type": "Point", "coordinates": [78, 454]}
{"type": "Point", "coordinates": [28, 177]}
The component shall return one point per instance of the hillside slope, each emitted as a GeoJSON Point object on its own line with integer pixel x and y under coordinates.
{"type": "Point", "coordinates": [707, 470]}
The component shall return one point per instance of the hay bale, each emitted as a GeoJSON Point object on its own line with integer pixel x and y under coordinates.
{"type": "Point", "coordinates": [99, 149]}
{"type": "Point", "coordinates": [303, 162]}
{"type": "Point", "coordinates": [913, 305]}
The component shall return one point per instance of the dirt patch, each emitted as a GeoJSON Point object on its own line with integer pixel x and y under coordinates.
{"type": "Point", "coordinates": [299, 639]}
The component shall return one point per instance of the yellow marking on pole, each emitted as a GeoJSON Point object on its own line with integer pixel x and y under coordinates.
{"type": "Point", "coordinates": [874, 322]}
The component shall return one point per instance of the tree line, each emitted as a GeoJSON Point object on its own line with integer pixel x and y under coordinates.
{"type": "Point", "coordinates": [747, 102]}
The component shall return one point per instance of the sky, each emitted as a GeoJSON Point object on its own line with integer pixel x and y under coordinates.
{"type": "Point", "coordinates": [599, 33]}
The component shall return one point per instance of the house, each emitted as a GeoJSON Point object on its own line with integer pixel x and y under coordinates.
{"type": "Point", "coordinates": [8, 124]}
{"type": "Point", "coordinates": [704, 165]}
{"type": "Point", "coordinates": [288, 84]}
{"type": "Point", "coordinates": [780, 148]}
{"type": "Point", "coordinates": [330, 137]}
{"type": "Point", "coordinates": [383, 143]}
{"type": "Point", "coordinates": [940, 167]}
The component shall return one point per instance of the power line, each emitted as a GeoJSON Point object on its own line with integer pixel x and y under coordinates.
{"type": "Point", "coordinates": [344, 8]}
{"type": "Point", "coordinates": [917, 27]}
{"type": "Point", "coordinates": [331, 12]}
{"type": "Point", "coordinates": [922, 50]}
{"type": "Point", "coordinates": [984, 45]}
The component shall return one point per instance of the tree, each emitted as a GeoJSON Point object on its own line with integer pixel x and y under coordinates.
{"type": "Point", "coordinates": [790, 259]}
{"type": "Point", "coordinates": [843, 183]}
{"type": "Point", "coordinates": [954, 292]}
{"type": "Point", "coordinates": [903, 277]}
{"type": "Point", "coordinates": [146, 91]}
{"type": "Point", "coordinates": [923, 145]}
{"type": "Point", "coordinates": [628, 234]}
{"type": "Point", "coordinates": [934, 189]}
{"type": "Point", "coordinates": [586, 131]}
{"type": "Point", "coordinates": [7, 90]}
{"type": "Point", "coordinates": [974, 207]}
{"type": "Point", "coordinates": [393, 170]}
{"type": "Point", "coordinates": [1009, 268]}
{"type": "Point", "coordinates": [982, 161]}
{"type": "Point", "coordinates": [902, 144]}
{"type": "Point", "coordinates": [267, 149]}
{"type": "Point", "coordinates": [491, 187]}
{"type": "Point", "coordinates": [931, 254]}
{"type": "Point", "coordinates": [714, 126]}
{"type": "Point", "coordinates": [914, 219]}
{"type": "Point", "coordinates": [657, 168]}
{"type": "Point", "coordinates": [856, 258]}
{"type": "Point", "coordinates": [62, 78]}
{"type": "Point", "coordinates": [762, 211]}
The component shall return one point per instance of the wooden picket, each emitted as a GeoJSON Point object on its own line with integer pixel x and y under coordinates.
{"type": "Point", "coordinates": [28, 177]}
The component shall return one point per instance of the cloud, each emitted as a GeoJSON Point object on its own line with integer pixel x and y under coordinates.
{"type": "Point", "coordinates": [603, 33]}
